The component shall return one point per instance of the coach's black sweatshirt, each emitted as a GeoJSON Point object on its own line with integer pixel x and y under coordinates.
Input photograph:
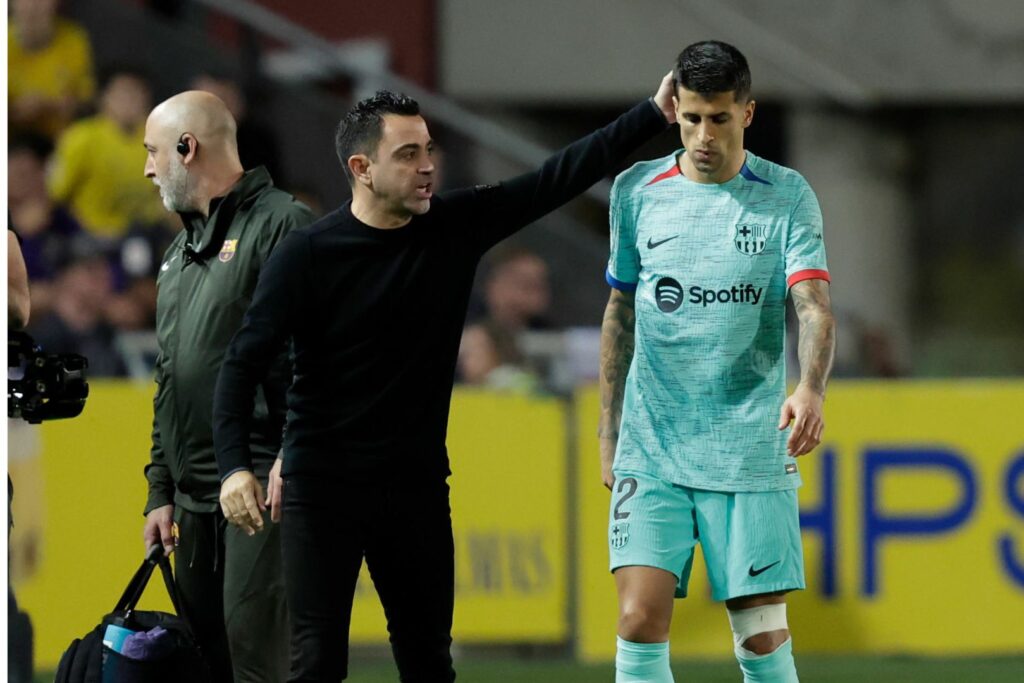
{"type": "Point", "coordinates": [376, 317]}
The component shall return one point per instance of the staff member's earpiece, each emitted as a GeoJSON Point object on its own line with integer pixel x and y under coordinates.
{"type": "Point", "coordinates": [182, 147]}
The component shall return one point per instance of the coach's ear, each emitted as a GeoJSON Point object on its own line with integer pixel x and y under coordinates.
{"type": "Point", "coordinates": [359, 167]}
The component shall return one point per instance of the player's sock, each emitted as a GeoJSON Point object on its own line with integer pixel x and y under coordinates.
{"type": "Point", "coordinates": [642, 662]}
{"type": "Point", "coordinates": [775, 667]}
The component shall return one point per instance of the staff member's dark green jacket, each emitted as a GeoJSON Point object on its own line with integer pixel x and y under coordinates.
{"type": "Point", "coordinates": [203, 291]}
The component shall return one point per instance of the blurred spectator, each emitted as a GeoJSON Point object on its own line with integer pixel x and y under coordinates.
{"type": "Point", "coordinates": [863, 350]}
{"type": "Point", "coordinates": [78, 322]}
{"type": "Point", "coordinates": [18, 306]}
{"type": "Point", "coordinates": [257, 144]}
{"type": "Point", "coordinates": [490, 357]}
{"type": "Point", "coordinates": [878, 359]}
{"type": "Point", "coordinates": [99, 162]}
{"type": "Point", "coordinates": [49, 68]}
{"type": "Point", "coordinates": [517, 292]}
{"type": "Point", "coordinates": [137, 264]}
{"type": "Point", "coordinates": [47, 231]}
{"type": "Point", "coordinates": [309, 197]}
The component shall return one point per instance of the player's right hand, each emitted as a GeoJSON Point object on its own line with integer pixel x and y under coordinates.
{"type": "Point", "coordinates": [158, 528]}
{"type": "Point", "coordinates": [241, 500]}
{"type": "Point", "coordinates": [608, 444]}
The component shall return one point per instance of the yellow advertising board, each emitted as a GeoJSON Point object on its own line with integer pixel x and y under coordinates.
{"type": "Point", "coordinates": [912, 509]}
{"type": "Point", "coordinates": [508, 501]}
{"type": "Point", "coordinates": [94, 493]}
{"type": "Point", "coordinates": [913, 522]}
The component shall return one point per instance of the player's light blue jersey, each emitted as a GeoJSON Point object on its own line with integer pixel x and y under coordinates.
{"type": "Point", "coordinates": [711, 265]}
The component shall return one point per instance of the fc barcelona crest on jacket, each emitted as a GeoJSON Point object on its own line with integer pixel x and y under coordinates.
{"type": "Point", "coordinates": [227, 252]}
{"type": "Point", "coordinates": [750, 239]}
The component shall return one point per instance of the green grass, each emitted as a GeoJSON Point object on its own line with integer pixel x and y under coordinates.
{"type": "Point", "coordinates": [847, 669]}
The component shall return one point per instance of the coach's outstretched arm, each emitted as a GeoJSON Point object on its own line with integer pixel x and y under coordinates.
{"type": "Point", "coordinates": [276, 309]}
{"type": "Point", "coordinates": [618, 335]}
{"type": "Point", "coordinates": [816, 350]}
{"type": "Point", "coordinates": [516, 202]}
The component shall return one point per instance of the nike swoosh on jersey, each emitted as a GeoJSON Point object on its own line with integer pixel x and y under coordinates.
{"type": "Point", "coordinates": [651, 244]}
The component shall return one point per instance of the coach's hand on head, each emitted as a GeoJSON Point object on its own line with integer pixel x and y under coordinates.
{"type": "Point", "coordinates": [242, 501]}
{"type": "Point", "coordinates": [663, 98]}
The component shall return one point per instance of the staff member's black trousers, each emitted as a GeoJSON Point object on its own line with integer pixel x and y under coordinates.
{"type": "Point", "coordinates": [232, 589]}
{"type": "Point", "coordinates": [403, 528]}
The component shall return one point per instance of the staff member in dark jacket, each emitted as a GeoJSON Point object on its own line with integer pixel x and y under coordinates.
{"type": "Point", "coordinates": [231, 583]}
{"type": "Point", "coordinates": [374, 296]}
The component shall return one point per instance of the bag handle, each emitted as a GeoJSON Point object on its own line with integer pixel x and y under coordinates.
{"type": "Point", "coordinates": [133, 592]}
{"type": "Point", "coordinates": [172, 589]}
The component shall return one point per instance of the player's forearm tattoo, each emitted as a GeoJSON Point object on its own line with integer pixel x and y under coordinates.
{"type": "Point", "coordinates": [817, 346]}
{"type": "Point", "coordinates": [617, 340]}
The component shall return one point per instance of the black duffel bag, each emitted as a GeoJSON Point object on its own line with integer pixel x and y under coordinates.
{"type": "Point", "coordinates": [89, 660]}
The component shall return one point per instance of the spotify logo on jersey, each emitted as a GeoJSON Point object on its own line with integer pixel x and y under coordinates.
{"type": "Point", "coordinates": [669, 294]}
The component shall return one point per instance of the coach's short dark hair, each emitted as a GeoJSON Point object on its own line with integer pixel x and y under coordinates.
{"type": "Point", "coordinates": [359, 132]}
{"type": "Point", "coordinates": [711, 67]}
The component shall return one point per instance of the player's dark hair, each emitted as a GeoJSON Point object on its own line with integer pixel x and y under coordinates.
{"type": "Point", "coordinates": [360, 131]}
{"type": "Point", "coordinates": [711, 67]}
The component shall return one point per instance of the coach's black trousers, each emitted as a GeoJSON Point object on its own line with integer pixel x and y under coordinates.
{"type": "Point", "coordinates": [403, 529]}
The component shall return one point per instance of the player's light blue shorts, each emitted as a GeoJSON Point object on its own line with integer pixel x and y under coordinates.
{"type": "Point", "coordinates": [751, 541]}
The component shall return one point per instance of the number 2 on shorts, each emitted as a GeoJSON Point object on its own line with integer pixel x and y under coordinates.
{"type": "Point", "coordinates": [629, 482]}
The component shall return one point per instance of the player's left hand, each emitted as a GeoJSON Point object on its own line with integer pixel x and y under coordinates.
{"type": "Point", "coordinates": [608, 444]}
{"type": "Point", "coordinates": [804, 410]}
{"type": "Point", "coordinates": [663, 98]}
{"type": "Point", "coordinates": [274, 486]}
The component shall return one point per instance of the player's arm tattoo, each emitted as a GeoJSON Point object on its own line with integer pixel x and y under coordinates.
{"type": "Point", "coordinates": [617, 341]}
{"type": "Point", "coordinates": [817, 345]}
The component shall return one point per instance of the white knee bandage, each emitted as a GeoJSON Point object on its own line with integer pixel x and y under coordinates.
{"type": "Point", "coordinates": [749, 622]}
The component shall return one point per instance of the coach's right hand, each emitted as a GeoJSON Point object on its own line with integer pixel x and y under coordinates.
{"type": "Point", "coordinates": [158, 528]}
{"type": "Point", "coordinates": [241, 500]}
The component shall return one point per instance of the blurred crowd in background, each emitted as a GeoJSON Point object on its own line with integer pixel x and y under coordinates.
{"type": "Point", "coordinates": [94, 232]}
{"type": "Point", "coordinates": [92, 228]}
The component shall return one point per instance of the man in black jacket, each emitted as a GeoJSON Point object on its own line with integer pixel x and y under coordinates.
{"type": "Point", "coordinates": [374, 297]}
{"type": "Point", "coordinates": [231, 583]}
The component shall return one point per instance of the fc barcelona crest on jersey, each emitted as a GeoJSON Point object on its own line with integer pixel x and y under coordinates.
{"type": "Point", "coordinates": [227, 252]}
{"type": "Point", "coordinates": [750, 238]}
